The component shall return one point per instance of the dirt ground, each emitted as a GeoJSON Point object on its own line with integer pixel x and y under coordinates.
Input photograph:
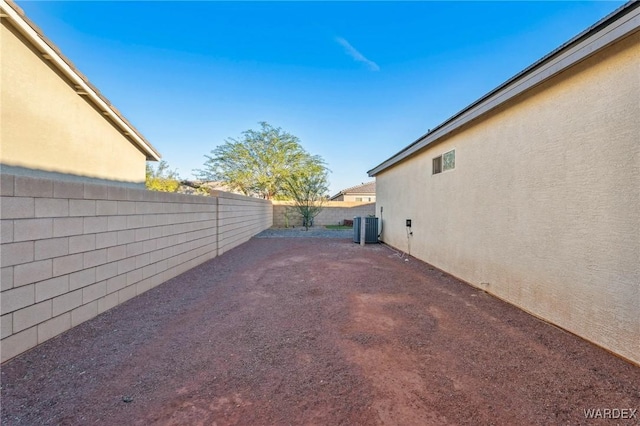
{"type": "Point", "coordinates": [315, 331]}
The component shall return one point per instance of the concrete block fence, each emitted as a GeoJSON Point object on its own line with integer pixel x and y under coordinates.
{"type": "Point", "coordinates": [240, 218]}
{"type": "Point", "coordinates": [70, 250]}
{"type": "Point", "coordinates": [333, 213]}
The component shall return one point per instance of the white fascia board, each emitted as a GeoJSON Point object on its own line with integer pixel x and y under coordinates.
{"type": "Point", "coordinates": [81, 86]}
{"type": "Point", "coordinates": [563, 59]}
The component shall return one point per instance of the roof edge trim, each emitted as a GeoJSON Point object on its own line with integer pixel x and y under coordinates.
{"type": "Point", "coordinates": [83, 87]}
{"type": "Point", "coordinates": [622, 22]}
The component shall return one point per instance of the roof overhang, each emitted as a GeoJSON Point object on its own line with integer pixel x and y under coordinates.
{"type": "Point", "coordinates": [50, 53]}
{"type": "Point", "coordinates": [619, 24]}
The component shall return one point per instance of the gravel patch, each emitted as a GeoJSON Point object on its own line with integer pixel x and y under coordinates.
{"type": "Point", "coordinates": [300, 232]}
{"type": "Point", "coordinates": [304, 331]}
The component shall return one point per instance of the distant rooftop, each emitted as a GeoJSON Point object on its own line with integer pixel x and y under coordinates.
{"type": "Point", "coordinates": [368, 188]}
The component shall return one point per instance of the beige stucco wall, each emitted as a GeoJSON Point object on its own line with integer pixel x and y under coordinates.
{"type": "Point", "coordinates": [543, 207]}
{"type": "Point", "coordinates": [47, 126]}
{"type": "Point", "coordinates": [365, 198]}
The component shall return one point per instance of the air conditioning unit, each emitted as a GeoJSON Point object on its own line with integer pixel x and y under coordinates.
{"type": "Point", "coordinates": [371, 229]}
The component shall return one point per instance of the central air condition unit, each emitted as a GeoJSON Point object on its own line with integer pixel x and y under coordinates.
{"type": "Point", "coordinates": [371, 229]}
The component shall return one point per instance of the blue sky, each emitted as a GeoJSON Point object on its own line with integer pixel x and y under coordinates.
{"type": "Point", "coordinates": [355, 81]}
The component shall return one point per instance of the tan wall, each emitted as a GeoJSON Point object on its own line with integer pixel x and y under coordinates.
{"type": "Point", "coordinates": [47, 126]}
{"type": "Point", "coordinates": [333, 213]}
{"type": "Point", "coordinates": [240, 219]}
{"type": "Point", "coordinates": [543, 206]}
{"type": "Point", "coordinates": [70, 250]}
{"type": "Point", "coordinates": [366, 198]}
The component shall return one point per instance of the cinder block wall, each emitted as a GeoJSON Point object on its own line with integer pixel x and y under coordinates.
{"type": "Point", "coordinates": [240, 218]}
{"type": "Point", "coordinates": [72, 250]}
{"type": "Point", "coordinates": [333, 213]}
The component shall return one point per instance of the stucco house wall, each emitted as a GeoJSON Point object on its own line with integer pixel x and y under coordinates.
{"type": "Point", "coordinates": [357, 198]}
{"type": "Point", "coordinates": [49, 123]}
{"type": "Point", "coordinates": [542, 207]}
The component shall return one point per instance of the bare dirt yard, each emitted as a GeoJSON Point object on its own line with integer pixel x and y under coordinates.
{"type": "Point", "coordinates": [316, 331]}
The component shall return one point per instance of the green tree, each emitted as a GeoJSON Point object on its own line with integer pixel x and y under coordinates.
{"type": "Point", "coordinates": [260, 162]}
{"type": "Point", "coordinates": [162, 178]}
{"type": "Point", "coordinates": [309, 194]}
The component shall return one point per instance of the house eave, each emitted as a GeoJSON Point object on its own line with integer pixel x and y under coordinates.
{"type": "Point", "coordinates": [49, 53]}
{"type": "Point", "coordinates": [619, 24]}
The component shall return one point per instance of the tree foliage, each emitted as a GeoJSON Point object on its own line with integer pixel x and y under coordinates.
{"type": "Point", "coordinates": [162, 178]}
{"type": "Point", "coordinates": [309, 194]}
{"type": "Point", "coordinates": [260, 162]}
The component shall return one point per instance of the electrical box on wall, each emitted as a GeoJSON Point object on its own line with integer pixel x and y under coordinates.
{"type": "Point", "coordinates": [408, 223]}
